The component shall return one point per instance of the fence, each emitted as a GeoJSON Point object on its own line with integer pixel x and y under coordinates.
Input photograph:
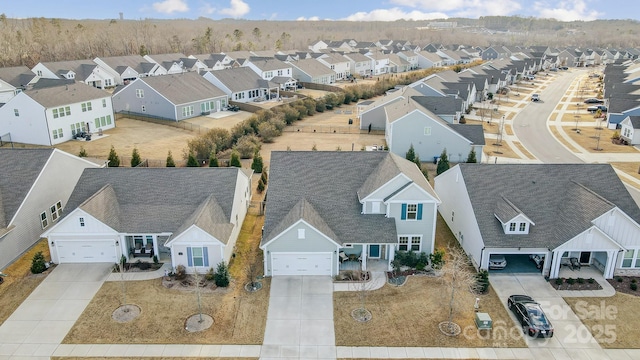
{"type": "Point", "coordinates": [326, 129]}
{"type": "Point", "coordinates": [6, 139]}
{"type": "Point", "coordinates": [162, 121]}
{"type": "Point", "coordinates": [257, 207]}
{"type": "Point", "coordinates": [323, 87]}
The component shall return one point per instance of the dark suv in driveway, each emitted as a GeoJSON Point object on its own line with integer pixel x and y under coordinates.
{"type": "Point", "coordinates": [530, 315]}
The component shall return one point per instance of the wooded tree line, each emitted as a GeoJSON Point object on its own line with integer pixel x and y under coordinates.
{"type": "Point", "coordinates": [33, 40]}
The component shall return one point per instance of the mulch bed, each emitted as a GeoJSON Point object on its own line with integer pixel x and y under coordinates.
{"type": "Point", "coordinates": [138, 267]}
{"type": "Point", "coordinates": [585, 284]}
{"type": "Point", "coordinates": [624, 286]}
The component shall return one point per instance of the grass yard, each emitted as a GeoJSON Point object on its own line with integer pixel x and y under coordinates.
{"type": "Point", "coordinates": [239, 317]}
{"type": "Point", "coordinates": [408, 315]}
{"type": "Point", "coordinates": [587, 139]}
{"type": "Point", "coordinates": [628, 168]}
{"type": "Point", "coordinates": [560, 138]}
{"type": "Point", "coordinates": [614, 328]}
{"type": "Point", "coordinates": [504, 150]}
{"type": "Point", "coordinates": [523, 150]}
{"type": "Point", "coordinates": [19, 283]}
{"type": "Point", "coordinates": [583, 117]}
{"type": "Point", "coordinates": [146, 358]}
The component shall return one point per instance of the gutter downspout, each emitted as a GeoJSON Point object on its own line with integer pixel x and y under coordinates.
{"type": "Point", "coordinates": [481, 256]}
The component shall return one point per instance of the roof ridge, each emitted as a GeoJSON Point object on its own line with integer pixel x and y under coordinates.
{"type": "Point", "coordinates": [511, 204]}
{"type": "Point", "coordinates": [593, 193]}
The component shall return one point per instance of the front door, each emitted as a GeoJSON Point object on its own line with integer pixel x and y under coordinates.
{"type": "Point", "coordinates": [585, 257]}
{"type": "Point", "coordinates": [374, 251]}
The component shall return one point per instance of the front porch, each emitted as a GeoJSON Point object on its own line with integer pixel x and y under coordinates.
{"type": "Point", "coordinates": [372, 257]}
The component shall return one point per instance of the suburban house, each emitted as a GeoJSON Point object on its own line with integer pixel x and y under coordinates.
{"type": "Point", "coordinates": [13, 80]}
{"type": "Point", "coordinates": [398, 64]}
{"type": "Point", "coordinates": [328, 211]}
{"type": "Point", "coordinates": [410, 57]}
{"type": "Point", "coordinates": [214, 61]}
{"type": "Point", "coordinates": [312, 71]}
{"type": "Point", "coordinates": [140, 213]}
{"type": "Point", "coordinates": [427, 60]}
{"type": "Point", "coordinates": [34, 190]}
{"type": "Point", "coordinates": [359, 64]}
{"type": "Point", "coordinates": [176, 63]}
{"type": "Point", "coordinates": [171, 97]}
{"type": "Point", "coordinates": [338, 63]}
{"type": "Point", "coordinates": [412, 123]}
{"type": "Point", "coordinates": [242, 84]}
{"type": "Point", "coordinates": [630, 130]}
{"type": "Point", "coordinates": [274, 70]}
{"type": "Point", "coordinates": [373, 114]}
{"type": "Point", "coordinates": [85, 71]}
{"type": "Point", "coordinates": [379, 62]}
{"type": "Point", "coordinates": [579, 214]}
{"type": "Point", "coordinates": [53, 115]}
{"type": "Point", "coordinates": [128, 68]}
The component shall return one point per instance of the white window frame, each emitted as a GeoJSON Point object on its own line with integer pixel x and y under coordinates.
{"type": "Point", "coordinates": [81, 221]}
{"type": "Point", "coordinates": [416, 240]}
{"type": "Point", "coordinates": [16, 112]}
{"type": "Point", "coordinates": [403, 242]}
{"type": "Point", "coordinates": [104, 103]}
{"type": "Point", "coordinates": [44, 220]}
{"type": "Point", "coordinates": [427, 131]}
{"type": "Point", "coordinates": [194, 257]}
{"type": "Point", "coordinates": [140, 93]}
{"type": "Point", "coordinates": [522, 227]}
{"type": "Point", "coordinates": [56, 211]}
{"type": "Point", "coordinates": [412, 209]}
{"type": "Point", "coordinates": [301, 234]}
{"type": "Point", "coordinates": [512, 227]}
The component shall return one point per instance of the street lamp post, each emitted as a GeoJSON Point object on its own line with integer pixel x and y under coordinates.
{"type": "Point", "coordinates": [577, 117]}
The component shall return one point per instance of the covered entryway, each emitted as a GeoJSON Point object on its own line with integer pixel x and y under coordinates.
{"type": "Point", "coordinates": [301, 264]}
{"type": "Point", "coordinates": [87, 251]}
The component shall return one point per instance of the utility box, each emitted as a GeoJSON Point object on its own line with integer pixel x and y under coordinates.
{"type": "Point", "coordinates": [483, 321]}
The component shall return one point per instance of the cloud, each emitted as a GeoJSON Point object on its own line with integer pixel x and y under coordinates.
{"type": "Point", "coordinates": [569, 10]}
{"type": "Point", "coordinates": [238, 8]}
{"type": "Point", "coordinates": [171, 6]}
{"type": "Point", "coordinates": [207, 9]}
{"type": "Point", "coordinates": [393, 14]}
{"type": "Point", "coordinates": [313, 18]}
{"type": "Point", "coordinates": [463, 8]}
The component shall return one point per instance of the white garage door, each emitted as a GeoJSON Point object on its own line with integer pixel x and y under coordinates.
{"type": "Point", "coordinates": [301, 264]}
{"type": "Point", "coordinates": [90, 251]}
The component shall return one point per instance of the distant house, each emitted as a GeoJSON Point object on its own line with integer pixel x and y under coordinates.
{"type": "Point", "coordinates": [128, 68]}
{"type": "Point", "coordinates": [379, 62]}
{"type": "Point", "coordinates": [398, 64]}
{"type": "Point", "coordinates": [214, 62]}
{"type": "Point", "coordinates": [337, 63]}
{"type": "Point", "coordinates": [141, 213]}
{"type": "Point", "coordinates": [175, 63]}
{"type": "Point", "coordinates": [171, 97]}
{"type": "Point", "coordinates": [242, 84]}
{"type": "Point", "coordinates": [85, 71]}
{"type": "Point", "coordinates": [52, 115]}
{"type": "Point", "coordinates": [383, 204]}
{"type": "Point", "coordinates": [14, 80]}
{"type": "Point", "coordinates": [312, 71]}
{"type": "Point", "coordinates": [410, 57]}
{"type": "Point", "coordinates": [359, 64]}
{"type": "Point", "coordinates": [630, 130]}
{"type": "Point", "coordinates": [428, 60]}
{"type": "Point", "coordinates": [274, 70]}
{"type": "Point", "coordinates": [34, 188]}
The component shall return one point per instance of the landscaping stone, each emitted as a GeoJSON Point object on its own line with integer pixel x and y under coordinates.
{"type": "Point", "coordinates": [126, 313]}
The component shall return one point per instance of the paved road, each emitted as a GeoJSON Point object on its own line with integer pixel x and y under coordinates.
{"type": "Point", "coordinates": [530, 124]}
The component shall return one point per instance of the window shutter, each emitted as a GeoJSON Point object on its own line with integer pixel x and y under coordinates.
{"type": "Point", "coordinates": [189, 259]}
{"type": "Point", "coordinates": [403, 216]}
{"type": "Point", "coordinates": [419, 217]}
{"type": "Point", "coordinates": [205, 255]}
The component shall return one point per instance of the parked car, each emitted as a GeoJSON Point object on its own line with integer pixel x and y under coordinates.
{"type": "Point", "coordinates": [563, 68]}
{"type": "Point", "coordinates": [497, 262]}
{"type": "Point", "coordinates": [595, 108]}
{"type": "Point", "coordinates": [553, 69]}
{"type": "Point", "coordinates": [594, 101]}
{"type": "Point", "coordinates": [530, 315]}
{"type": "Point", "coordinates": [537, 259]}
{"type": "Point", "coordinates": [535, 97]}
{"type": "Point", "coordinates": [531, 77]}
{"type": "Point", "coordinates": [233, 108]}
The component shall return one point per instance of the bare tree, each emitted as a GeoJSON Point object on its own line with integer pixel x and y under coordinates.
{"type": "Point", "coordinates": [198, 290]}
{"type": "Point", "coordinates": [362, 286]}
{"type": "Point", "coordinates": [123, 283]}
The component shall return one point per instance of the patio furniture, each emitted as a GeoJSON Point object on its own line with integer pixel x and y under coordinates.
{"type": "Point", "coordinates": [343, 256]}
{"type": "Point", "coordinates": [566, 262]}
{"type": "Point", "coordinates": [575, 264]}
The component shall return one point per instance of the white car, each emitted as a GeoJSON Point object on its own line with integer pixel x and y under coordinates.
{"type": "Point", "coordinates": [535, 97]}
{"type": "Point", "coordinates": [497, 261]}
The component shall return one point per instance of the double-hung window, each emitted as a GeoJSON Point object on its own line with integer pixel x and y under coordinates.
{"type": "Point", "coordinates": [43, 220]}
{"type": "Point", "coordinates": [403, 243]}
{"type": "Point", "coordinates": [197, 256]}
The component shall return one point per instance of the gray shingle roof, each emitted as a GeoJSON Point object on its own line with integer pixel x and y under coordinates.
{"type": "Point", "coordinates": [561, 199]}
{"type": "Point", "coordinates": [440, 105]}
{"type": "Point", "coordinates": [20, 169]}
{"type": "Point", "coordinates": [312, 67]}
{"type": "Point", "coordinates": [328, 182]}
{"type": "Point", "coordinates": [240, 79]}
{"type": "Point", "coordinates": [65, 94]}
{"type": "Point", "coordinates": [18, 76]}
{"type": "Point", "coordinates": [635, 121]}
{"type": "Point", "coordinates": [182, 88]}
{"type": "Point", "coordinates": [138, 200]}
{"type": "Point", "coordinates": [471, 132]}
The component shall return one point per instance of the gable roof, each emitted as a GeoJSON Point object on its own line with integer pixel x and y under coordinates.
{"type": "Point", "coordinates": [312, 67]}
{"type": "Point", "coordinates": [20, 169]}
{"type": "Point", "coordinates": [17, 76]}
{"type": "Point", "coordinates": [66, 94]}
{"type": "Point", "coordinates": [134, 200]}
{"type": "Point", "coordinates": [182, 88]}
{"type": "Point", "coordinates": [268, 63]}
{"type": "Point", "coordinates": [635, 121]}
{"type": "Point", "coordinates": [329, 183]}
{"type": "Point", "coordinates": [241, 79]}
{"type": "Point", "coordinates": [561, 199]}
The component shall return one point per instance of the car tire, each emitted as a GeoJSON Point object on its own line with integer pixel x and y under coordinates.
{"type": "Point", "coordinates": [509, 304]}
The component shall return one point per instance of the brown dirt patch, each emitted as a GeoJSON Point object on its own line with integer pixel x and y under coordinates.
{"type": "Point", "coordinates": [623, 284]}
{"type": "Point", "coordinates": [613, 321]}
{"type": "Point", "coordinates": [628, 168]}
{"type": "Point", "coordinates": [587, 139]}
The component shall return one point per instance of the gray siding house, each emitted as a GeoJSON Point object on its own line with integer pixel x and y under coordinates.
{"type": "Point", "coordinates": [328, 211]}
{"type": "Point", "coordinates": [172, 97]}
{"type": "Point", "coordinates": [34, 188]}
{"type": "Point", "coordinates": [243, 84]}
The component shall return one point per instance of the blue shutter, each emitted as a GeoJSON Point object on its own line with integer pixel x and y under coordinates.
{"type": "Point", "coordinates": [403, 216]}
{"type": "Point", "coordinates": [419, 212]}
{"type": "Point", "coordinates": [205, 255]}
{"type": "Point", "coordinates": [189, 259]}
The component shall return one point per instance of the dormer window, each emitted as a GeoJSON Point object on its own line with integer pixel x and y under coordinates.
{"type": "Point", "coordinates": [512, 227]}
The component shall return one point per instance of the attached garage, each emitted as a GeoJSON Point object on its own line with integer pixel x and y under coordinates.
{"type": "Point", "coordinates": [301, 264]}
{"type": "Point", "coordinates": [94, 251]}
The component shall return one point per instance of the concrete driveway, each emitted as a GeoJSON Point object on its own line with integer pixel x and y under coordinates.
{"type": "Point", "coordinates": [300, 319]}
{"type": "Point", "coordinates": [571, 340]}
{"type": "Point", "coordinates": [38, 326]}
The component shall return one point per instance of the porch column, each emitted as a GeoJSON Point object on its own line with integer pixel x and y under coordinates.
{"type": "Point", "coordinates": [392, 255]}
{"type": "Point", "coordinates": [156, 248]}
{"type": "Point", "coordinates": [555, 265]}
{"type": "Point", "coordinates": [547, 264]}
{"type": "Point", "coordinates": [364, 255]}
{"type": "Point", "coordinates": [611, 264]}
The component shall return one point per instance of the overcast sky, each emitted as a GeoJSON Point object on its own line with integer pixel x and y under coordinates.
{"type": "Point", "coordinates": [356, 10]}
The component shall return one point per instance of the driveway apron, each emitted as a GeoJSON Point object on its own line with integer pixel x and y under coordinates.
{"type": "Point", "coordinates": [571, 340]}
{"type": "Point", "coordinates": [42, 321]}
{"type": "Point", "coordinates": [300, 319]}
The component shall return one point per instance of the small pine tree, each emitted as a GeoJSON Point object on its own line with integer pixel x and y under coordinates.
{"type": "Point", "coordinates": [417, 161]}
{"type": "Point", "coordinates": [135, 158]}
{"type": "Point", "coordinates": [38, 264]}
{"type": "Point", "coordinates": [83, 152]}
{"type": "Point", "coordinates": [314, 148]}
{"type": "Point", "coordinates": [222, 277]}
{"type": "Point", "coordinates": [213, 160]}
{"type": "Point", "coordinates": [472, 156]}
{"type": "Point", "coordinates": [443, 164]}
{"type": "Point", "coordinates": [264, 177]}
{"type": "Point", "coordinates": [114, 160]}
{"type": "Point", "coordinates": [235, 160]}
{"type": "Point", "coordinates": [425, 173]}
{"type": "Point", "coordinates": [170, 162]}
{"type": "Point", "coordinates": [191, 161]}
{"type": "Point", "coordinates": [260, 186]}
{"type": "Point", "coordinates": [411, 154]}
{"type": "Point", "coordinates": [257, 163]}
